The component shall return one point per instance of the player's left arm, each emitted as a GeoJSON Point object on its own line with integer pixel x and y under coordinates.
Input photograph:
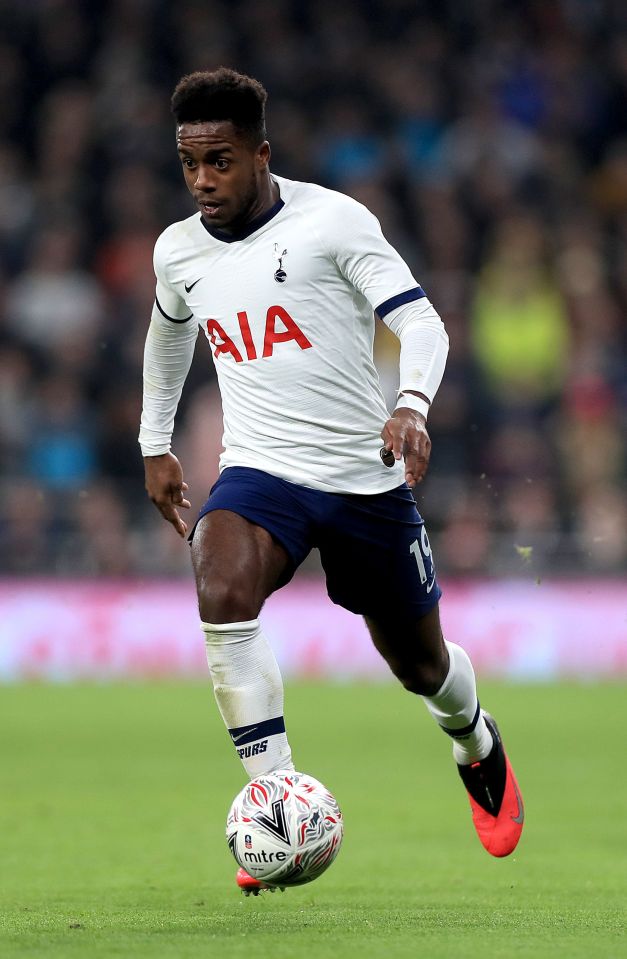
{"type": "Point", "coordinates": [378, 271]}
{"type": "Point", "coordinates": [424, 348]}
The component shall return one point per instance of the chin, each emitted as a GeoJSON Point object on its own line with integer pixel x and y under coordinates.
{"type": "Point", "coordinates": [218, 222]}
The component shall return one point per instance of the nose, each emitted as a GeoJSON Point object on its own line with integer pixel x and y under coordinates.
{"type": "Point", "coordinates": [204, 178]}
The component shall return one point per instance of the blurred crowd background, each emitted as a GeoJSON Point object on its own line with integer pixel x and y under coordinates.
{"type": "Point", "coordinates": [490, 138]}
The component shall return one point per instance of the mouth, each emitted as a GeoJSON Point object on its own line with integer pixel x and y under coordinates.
{"type": "Point", "coordinates": [209, 208]}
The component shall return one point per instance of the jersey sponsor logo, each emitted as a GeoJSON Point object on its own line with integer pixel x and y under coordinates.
{"type": "Point", "coordinates": [188, 289]}
{"type": "Point", "coordinates": [276, 317]}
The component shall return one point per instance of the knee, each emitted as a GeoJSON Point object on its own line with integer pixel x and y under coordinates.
{"type": "Point", "coordinates": [415, 651]}
{"type": "Point", "coordinates": [222, 601]}
{"type": "Point", "coordinates": [422, 677]}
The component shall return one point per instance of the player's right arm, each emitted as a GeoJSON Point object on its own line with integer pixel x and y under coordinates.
{"type": "Point", "coordinates": [168, 355]}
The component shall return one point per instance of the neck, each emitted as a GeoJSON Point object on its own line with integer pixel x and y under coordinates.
{"type": "Point", "coordinates": [266, 204]}
{"type": "Point", "coordinates": [266, 197]}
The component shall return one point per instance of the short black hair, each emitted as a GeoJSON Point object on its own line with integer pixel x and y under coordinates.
{"type": "Point", "coordinates": [223, 94]}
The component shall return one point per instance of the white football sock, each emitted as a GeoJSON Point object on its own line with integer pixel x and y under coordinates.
{"type": "Point", "coordinates": [455, 708]}
{"type": "Point", "coordinates": [249, 691]}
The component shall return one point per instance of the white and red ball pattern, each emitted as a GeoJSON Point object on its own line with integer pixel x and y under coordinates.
{"type": "Point", "coordinates": [285, 828]}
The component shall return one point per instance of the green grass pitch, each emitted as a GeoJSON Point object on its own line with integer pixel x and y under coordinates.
{"type": "Point", "coordinates": [113, 801]}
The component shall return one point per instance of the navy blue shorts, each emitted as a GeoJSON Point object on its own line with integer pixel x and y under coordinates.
{"type": "Point", "coordinates": [374, 548]}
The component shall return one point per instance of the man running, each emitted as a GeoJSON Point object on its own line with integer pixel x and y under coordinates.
{"type": "Point", "coordinates": [285, 279]}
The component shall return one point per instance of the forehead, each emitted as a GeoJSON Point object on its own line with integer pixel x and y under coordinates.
{"type": "Point", "coordinates": [207, 135]}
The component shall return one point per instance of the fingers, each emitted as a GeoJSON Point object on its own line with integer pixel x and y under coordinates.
{"type": "Point", "coordinates": [393, 440]}
{"type": "Point", "coordinates": [167, 505]}
{"type": "Point", "coordinates": [177, 498]}
{"type": "Point", "coordinates": [404, 438]}
{"type": "Point", "coordinates": [417, 459]}
{"type": "Point", "coordinates": [170, 514]}
{"type": "Point", "coordinates": [166, 488]}
{"type": "Point", "coordinates": [415, 468]}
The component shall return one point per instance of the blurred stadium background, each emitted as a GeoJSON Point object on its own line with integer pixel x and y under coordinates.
{"type": "Point", "coordinates": [491, 141]}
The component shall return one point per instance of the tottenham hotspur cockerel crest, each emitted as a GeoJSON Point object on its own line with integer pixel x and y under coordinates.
{"type": "Point", "coordinates": [279, 275]}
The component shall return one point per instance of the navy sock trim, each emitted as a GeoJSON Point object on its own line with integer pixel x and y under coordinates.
{"type": "Point", "coordinates": [242, 735]}
{"type": "Point", "coordinates": [465, 730]}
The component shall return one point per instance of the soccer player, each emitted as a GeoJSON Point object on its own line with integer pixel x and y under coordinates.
{"type": "Point", "coordinates": [285, 278]}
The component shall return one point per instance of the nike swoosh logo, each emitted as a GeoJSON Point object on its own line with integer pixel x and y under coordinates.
{"type": "Point", "coordinates": [431, 585]}
{"type": "Point", "coordinates": [520, 816]}
{"type": "Point", "coordinates": [188, 289]}
{"type": "Point", "coordinates": [248, 731]}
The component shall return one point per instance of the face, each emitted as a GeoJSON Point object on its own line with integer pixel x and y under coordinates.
{"type": "Point", "coordinates": [227, 176]}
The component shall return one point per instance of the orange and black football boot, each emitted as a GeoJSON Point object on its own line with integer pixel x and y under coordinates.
{"type": "Point", "coordinates": [498, 813]}
{"type": "Point", "coordinates": [251, 886]}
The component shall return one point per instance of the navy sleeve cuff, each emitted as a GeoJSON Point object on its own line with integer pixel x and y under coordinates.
{"type": "Point", "coordinates": [400, 300]}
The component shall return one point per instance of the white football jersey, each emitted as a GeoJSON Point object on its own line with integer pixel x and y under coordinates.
{"type": "Point", "coordinates": [288, 310]}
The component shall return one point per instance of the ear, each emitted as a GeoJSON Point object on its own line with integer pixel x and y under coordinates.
{"type": "Point", "coordinates": [263, 155]}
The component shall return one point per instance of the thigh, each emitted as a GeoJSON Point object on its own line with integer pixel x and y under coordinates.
{"type": "Point", "coordinates": [237, 564]}
{"type": "Point", "coordinates": [251, 535]}
{"type": "Point", "coordinates": [265, 501]}
{"type": "Point", "coordinates": [378, 560]}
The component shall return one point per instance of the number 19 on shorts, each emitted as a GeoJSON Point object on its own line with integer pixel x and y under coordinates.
{"type": "Point", "coordinates": [421, 550]}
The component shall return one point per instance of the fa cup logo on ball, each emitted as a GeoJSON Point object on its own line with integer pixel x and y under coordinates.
{"type": "Point", "coordinates": [279, 275]}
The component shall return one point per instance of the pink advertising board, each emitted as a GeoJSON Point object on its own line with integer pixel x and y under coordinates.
{"type": "Point", "coordinates": [62, 631]}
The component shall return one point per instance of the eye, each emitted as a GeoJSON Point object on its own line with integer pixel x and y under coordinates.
{"type": "Point", "coordinates": [222, 164]}
{"type": "Point", "coordinates": [188, 162]}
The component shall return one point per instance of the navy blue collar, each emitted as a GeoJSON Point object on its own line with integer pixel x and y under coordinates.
{"type": "Point", "coordinates": [249, 228]}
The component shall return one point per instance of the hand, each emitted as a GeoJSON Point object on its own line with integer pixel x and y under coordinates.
{"type": "Point", "coordinates": [165, 487]}
{"type": "Point", "coordinates": [405, 433]}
